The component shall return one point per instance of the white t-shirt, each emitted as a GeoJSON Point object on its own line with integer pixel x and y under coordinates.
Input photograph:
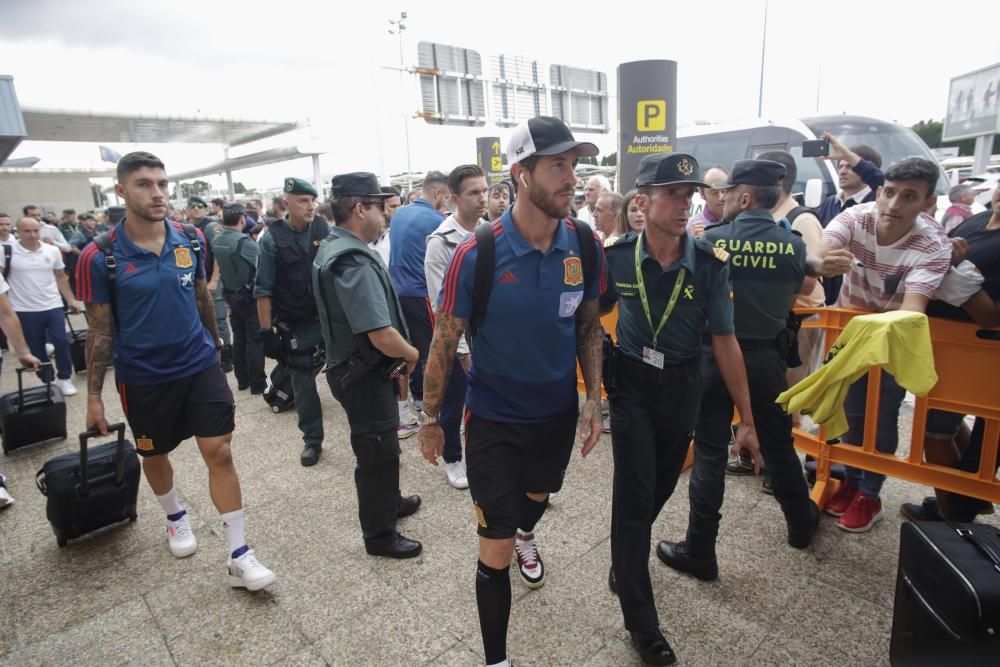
{"type": "Point", "coordinates": [52, 232]}
{"type": "Point", "coordinates": [3, 285]}
{"type": "Point", "coordinates": [917, 262]}
{"type": "Point", "coordinates": [32, 278]}
{"type": "Point", "coordinates": [585, 215]}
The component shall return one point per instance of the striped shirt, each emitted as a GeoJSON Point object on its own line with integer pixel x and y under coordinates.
{"type": "Point", "coordinates": [915, 263]}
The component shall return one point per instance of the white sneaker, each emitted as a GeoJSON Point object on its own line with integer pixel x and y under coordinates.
{"type": "Point", "coordinates": [456, 474]}
{"type": "Point", "coordinates": [5, 498]}
{"type": "Point", "coordinates": [529, 561]}
{"type": "Point", "coordinates": [66, 387]}
{"type": "Point", "coordinates": [247, 572]}
{"type": "Point", "coordinates": [50, 350]}
{"type": "Point", "coordinates": [181, 538]}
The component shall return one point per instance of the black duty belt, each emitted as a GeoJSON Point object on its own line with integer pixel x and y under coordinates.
{"type": "Point", "coordinates": [643, 372]}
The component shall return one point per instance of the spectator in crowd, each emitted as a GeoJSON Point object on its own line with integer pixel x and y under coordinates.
{"type": "Point", "coordinates": [894, 258]}
{"type": "Point", "coordinates": [606, 212]}
{"type": "Point", "coordinates": [215, 208]}
{"type": "Point", "coordinates": [6, 230]}
{"type": "Point", "coordinates": [467, 185]}
{"type": "Point", "coordinates": [631, 217]}
{"type": "Point", "coordinates": [411, 225]}
{"type": "Point", "coordinates": [497, 201]}
{"type": "Point", "coordinates": [961, 197]}
{"type": "Point", "coordinates": [595, 187]}
{"type": "Point", "coordinates": [38, 285]}
{"type": "Point", "coordinates": [412, 196]}
{"type": "Point", "coordinates": [51, 219]}
{"type": "Point", "coordinates": [69, 224]}
{"type": "Point", "coordinates": [805, 222]}
{"type": "Point", "coordinates": [113, 215]}
{"type": "Point", "coordinates": [947, 441]}
{"type": "Point", "coordinates": [48, 231]}
{"type": "Point", "coordinates": [209, 226]}
{"type": "Point", "coordinates": [84, 234]}
{"type": "Point", "coordinates": [325, 211]}
{"type": "Point", "coordinates": [392, 202]}
{"type": "Point", "coordinates": [711, 213]}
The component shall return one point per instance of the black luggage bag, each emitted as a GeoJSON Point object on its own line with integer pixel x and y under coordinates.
{"type": "Point", "coordinates": [77, 339]}
{"type": "Point", "coordinates": [91, 489]}
{"type": "Point", "coordinates": [947, 607]}
{"type": "Point", "coordinates": [279, 394]}
{"type": "Point", "coordinates": [31, 415]}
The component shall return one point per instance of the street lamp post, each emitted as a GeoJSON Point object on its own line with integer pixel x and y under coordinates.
{"type": "Point", "coordinates": [398, 26]}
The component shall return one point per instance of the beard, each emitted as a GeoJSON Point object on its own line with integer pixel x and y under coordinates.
{"type": "Point", "coordinates": [547, 203]}
{"type": "Point", "coordinates": [151, 214]}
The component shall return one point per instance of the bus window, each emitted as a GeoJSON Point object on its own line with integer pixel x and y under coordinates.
{"type": "Point", "coordinates": [723, 148]}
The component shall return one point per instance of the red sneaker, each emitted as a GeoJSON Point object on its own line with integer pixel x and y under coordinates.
{"type": "Point", "coordinates": [841, 500]}
{"type": "Point", "coordinates": [861, 515]}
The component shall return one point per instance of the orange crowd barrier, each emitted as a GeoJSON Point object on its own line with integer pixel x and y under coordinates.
{"type": "Point", "coordinates": [967, 361]}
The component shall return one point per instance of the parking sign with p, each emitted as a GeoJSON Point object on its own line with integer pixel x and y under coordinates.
{"type": "Point", "coordinates": [651, 115]}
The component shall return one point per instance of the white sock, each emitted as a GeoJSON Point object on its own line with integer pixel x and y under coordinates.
{"type": "Point", "coordinates": [168, 501]}
{"type": "Point", "coordinates": [505, 663]}
{"type": "Point", "coordinates": [235, 532]}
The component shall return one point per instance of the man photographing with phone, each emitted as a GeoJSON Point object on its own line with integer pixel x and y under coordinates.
{"type": "Point", "coordinates": [366, 337]}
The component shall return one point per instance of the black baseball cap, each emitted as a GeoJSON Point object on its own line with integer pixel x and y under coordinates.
{"type": "Point", "coordinates": [545, 135]}
{"type": "Point", "coordinates": [357, 184]}
{"type": "Point", "coordinates": [760, 173]}
{"type": "Point", "coordinates": [668, 169]}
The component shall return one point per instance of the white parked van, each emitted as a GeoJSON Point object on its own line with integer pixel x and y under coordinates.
{"type": "Point", "coordinates": [724, 143]}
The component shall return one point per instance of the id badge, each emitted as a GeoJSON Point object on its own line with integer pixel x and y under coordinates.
{"type": "Point", "coordinates": [652, 357]}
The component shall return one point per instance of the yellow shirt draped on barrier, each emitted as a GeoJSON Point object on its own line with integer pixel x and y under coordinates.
{"type": "Point", "coordinates": [898, 341]}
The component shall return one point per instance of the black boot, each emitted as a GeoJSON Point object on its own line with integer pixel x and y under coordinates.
{"type": "Point", "coordinates": [310, 455]}
{"type": "Point", "coordinates": [677, 556]}
{"type": "Point", "coordinates": [653, 647]}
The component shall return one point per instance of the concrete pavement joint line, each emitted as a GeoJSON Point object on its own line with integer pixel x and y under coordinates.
{"type": "Point", "coordinates": [159, 628]}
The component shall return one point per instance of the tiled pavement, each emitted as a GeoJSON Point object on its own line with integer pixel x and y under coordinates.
{"type": "Point", "coordinates": [119, 597]}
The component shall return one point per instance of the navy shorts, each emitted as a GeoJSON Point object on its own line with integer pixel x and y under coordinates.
{"type": "Point", "coordinates": [505, 460]}
{"type": "Point", "coordinates": [162, 415]}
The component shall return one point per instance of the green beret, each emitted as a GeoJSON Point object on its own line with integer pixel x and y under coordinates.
{"type": "Point", "coordinates": [297, 186]}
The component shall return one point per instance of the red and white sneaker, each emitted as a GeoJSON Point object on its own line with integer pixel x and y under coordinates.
{"type": "Point", "coordinates": [841, 500]}
{"type": "Point", "coordinates": [529, 561]}
{"type": "Point", "coordinates": [861, 515]}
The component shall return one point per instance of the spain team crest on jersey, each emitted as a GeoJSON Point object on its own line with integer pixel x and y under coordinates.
{"type": "Point", "coordinates": [182, 258]}
{"type": "Point", "coordinates": [573, 271]}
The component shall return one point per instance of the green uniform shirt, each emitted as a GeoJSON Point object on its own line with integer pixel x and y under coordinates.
{"type": "Point", "coordinates": [767, 267]}
{"type": "Point", "coordinates": [267, 263]}
{"type": "Point", "coordinates": [355, 296]}
{"type": "Point", "coordinates": [704, 304]}
{"type": "Point", "coordinates": [236, 253]}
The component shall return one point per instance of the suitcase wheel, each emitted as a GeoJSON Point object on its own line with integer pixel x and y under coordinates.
{"type": "Point", "coordinates": [275, 409]}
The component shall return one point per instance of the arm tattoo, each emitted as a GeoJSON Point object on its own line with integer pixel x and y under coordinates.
{"type": "Point", "coordinates": [440, 359]}
{"type": "Point", "coordinates": [99, 345]}
{"type": "Point", "coordinates": [206, 307]}
{"type": "Point", "coordinates": [590, 346]}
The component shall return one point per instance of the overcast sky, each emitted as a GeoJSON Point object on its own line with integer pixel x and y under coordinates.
{"type": "Point", "coordinates": [324, 62]}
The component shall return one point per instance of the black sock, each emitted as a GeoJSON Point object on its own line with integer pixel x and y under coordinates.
{"type": "Point", "coordinates": [531, 512]}
{"type": "Point", "coordinates": [493, 600]}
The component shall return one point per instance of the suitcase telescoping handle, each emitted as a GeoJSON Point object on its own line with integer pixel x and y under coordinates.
{"type": "Point", "coordinates": [83, 488]}
{"type": "Point", "coordinates": [20, 387]}
{"type": "Point", "coordinates": [72, 331]}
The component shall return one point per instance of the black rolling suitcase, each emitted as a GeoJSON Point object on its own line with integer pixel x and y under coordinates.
{"type": "Point", "coordinates": [77, 339]}
{"type": "Point", "coordinates": [91, 489]}
{"type": "Point", "coordinates": [31, 415]}
{"type": "Point", "coordinates": [279, 394]}
{"type": "Point", "coordinates": [947, 607]}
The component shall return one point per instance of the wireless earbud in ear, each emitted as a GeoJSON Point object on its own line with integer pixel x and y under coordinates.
{"type": "Point", "coordinates": [522, 181]}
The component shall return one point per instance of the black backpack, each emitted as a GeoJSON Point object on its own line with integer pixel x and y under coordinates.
{"type": "Point", "coordinates": [486, 264]}
{"type": "Point", "coordinates": [8, 251]}
{"type": "Point", "coordinates": [103, 243]}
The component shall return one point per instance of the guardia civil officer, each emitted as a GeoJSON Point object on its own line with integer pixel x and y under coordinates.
{"type": "Point", "coordinates": [236, 256]}
{"type": "Point", "coordinates": [767, 269]}
{"type": "Point", "coordinates": [286, 308]}
{"type": "Point", "coordinates": [671, 290]}
{"type": "Point", "coordinates": [366, 346]}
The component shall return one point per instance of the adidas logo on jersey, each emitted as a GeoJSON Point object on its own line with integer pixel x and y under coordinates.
{"type": "Point", "coordinates": [508, 278]}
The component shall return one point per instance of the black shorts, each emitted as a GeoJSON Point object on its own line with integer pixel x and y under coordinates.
{"type": "Point", "coordinates": [419, 317]}
{"type": "Point", "coordinates": [162, 415]}
{"type": "Point", "coordinates": [506, 460]}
